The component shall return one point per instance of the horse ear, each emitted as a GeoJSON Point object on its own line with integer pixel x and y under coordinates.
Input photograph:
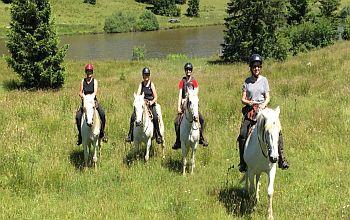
{"type": "Point", "coordinates": [278, 110]}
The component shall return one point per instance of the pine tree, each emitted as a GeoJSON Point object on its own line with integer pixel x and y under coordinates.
{"type": "Point", "coordinates": [33, 45]}
{"type": "Point", "coordinates": [193, 8]}
{"type": "Point", "coordinates": [252, 27]}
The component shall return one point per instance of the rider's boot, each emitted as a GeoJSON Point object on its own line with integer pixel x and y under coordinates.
{"type": "Point", "coordinates": [242, 164]}
{"type": "Point", "coordinates": [159, 138]}
{"type": "Point", "coordinates": [282, 163]}
{"type": "Point", "coordinates": [177, 144]}
{"type": "Point", "coordinates": [202, 141]}
{"type": "Point", "coordinates": [79, 141]}
{"type": "Point", "coordinates": [78, 122]}
{"type": "Point", "coordinates": [129, 138]}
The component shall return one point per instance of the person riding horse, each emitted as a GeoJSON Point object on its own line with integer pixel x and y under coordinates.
{"type": "Point", "coordinates": [89, 85]}
{"type": "Point", "coordinates": [150, 94]}
{"type": "Point", "coordinates": [255, 96]}
{"type": "Point", "coordinates": [186, 83]}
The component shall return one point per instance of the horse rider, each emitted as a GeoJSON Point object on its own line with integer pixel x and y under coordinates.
{"type": "Point", "coordinates": [186, 83]}
{"type": "Point", "coordinates": [150, 94]}
{"type": "Point", "coordinates": [89, 85]}
{"type": "Point", "coordinates": [255, 96]}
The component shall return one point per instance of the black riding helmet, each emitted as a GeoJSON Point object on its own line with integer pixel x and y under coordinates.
{"type": "Point", "coordinates": [188, 66]}
{"type": "Point", "coordinates": [255, 58]}
{"type": "Point", "coordinates": [146, 71]}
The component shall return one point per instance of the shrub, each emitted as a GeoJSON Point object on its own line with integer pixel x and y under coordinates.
{"type": "Point", "coordinates": [346, 32]}
{"type": "Point", "coordinates": [345, 12]}
{"type": "Point", "coordinates": [120, 22]}
{"type": "Point", "coordinates": [7, 1]}
{"type": "Point", "coordinates": [180, 2]}
{"type": "Point", "coordinates": [138, 53]}
{"type": "Point", "coordinates": [147, 22]}
{"type": "Point", "coordinates": [166, 8]}
{"type": "Point", "coordinates": [193, 8]}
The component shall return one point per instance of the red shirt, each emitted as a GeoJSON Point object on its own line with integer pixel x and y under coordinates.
{"type": "Point", "coordinates": [192, 82]}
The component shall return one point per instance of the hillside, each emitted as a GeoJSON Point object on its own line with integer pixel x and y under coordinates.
{"type": "Point", "coordinates": [73, 16]}
{"type": "Point", "coordinates": [40, 164]}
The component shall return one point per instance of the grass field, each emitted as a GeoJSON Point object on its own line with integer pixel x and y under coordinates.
{"type": "Point", "coordinates": [40, 166]}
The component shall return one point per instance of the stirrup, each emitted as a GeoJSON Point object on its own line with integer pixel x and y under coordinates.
{"type": "Point", "coordinates": [79, 141]}
{"type": "Point", "coordinates": [176, 146]}
{"type": "Point", "coordinates": [283, 165]}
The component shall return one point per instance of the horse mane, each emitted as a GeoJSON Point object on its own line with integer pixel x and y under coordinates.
{"type": "Point", "coordinates": [267, 119]}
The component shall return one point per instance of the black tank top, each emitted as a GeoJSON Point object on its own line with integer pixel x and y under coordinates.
{"type": "Point", "coordinates": [89, 88]}
{"type": "Point", "coordinates": [147, 91]}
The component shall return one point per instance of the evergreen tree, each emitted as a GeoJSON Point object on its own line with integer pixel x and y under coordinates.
{"type": "Point", "coordinates": [252, 27]}
{"type": "Point", "coordinates": [297, 11]}
{"type": "Point", "coordinates": [193, 8]}
{"type": "Point", "coordinates": [33, 45]}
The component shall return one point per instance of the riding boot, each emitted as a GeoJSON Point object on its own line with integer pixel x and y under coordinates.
{"type": "Point", "coordinates": [282, 163]}
{"type": "Point", "coordinates": [157, 132]}
{"type": "Point", "coordinates": [177, 144]}
{"type": "Point", "coordinates": [103, 135]}
{"type": "Point", "coordinates": [78, 118]}
{"type": "Point", "coordinates": [130, 138]}
{"type": "Point", "coordinates": [242, 164]}
{"type": "Point", "coordinates": [202, 141]}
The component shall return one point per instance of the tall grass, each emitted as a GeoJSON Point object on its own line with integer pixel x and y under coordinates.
{"type": "Point", "coordinates": [40, 166]}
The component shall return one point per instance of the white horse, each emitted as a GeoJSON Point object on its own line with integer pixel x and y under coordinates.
{"type": "Point", "coordinates": [90, 129]}
{"type": "Point", "coordinates": [261, 153]}
{"type": "Point", "coordinates": [189, 129]}
{"type": "Point", "coordinates": [143, 127]}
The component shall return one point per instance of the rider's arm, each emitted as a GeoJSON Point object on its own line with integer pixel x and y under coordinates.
{"type": "Point", "coordinates": [81, 89]}
{"type": "Point", "coordinates": [154, 94]}
{"type": "Point", "coordinates": [267, 100]}
{"type": "Point", "coordinates": [139, 90]}
{"type": "Point", "coordinates": [245, 100]}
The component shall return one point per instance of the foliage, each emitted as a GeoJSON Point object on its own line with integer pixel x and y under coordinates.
{"type": "Point", "coordinates": [7, 1]}
{"type": "Point", "coordinates": [346, 32]}
{"type": "Point", "coordinates": [345, 12]}
{"type": "Point", "coordinates": [251, 27]}
{"type": "Point", "coordinates": [33, 45]}
{"type": "Point", "coordinates": [120, 22]}
{"type": "Point", "coordinates": [166, 8]}
{"type": "Point", "coordinates": [297, 11]}
{"type": "Point", "coordinates": [93, 2]}
{"type": "Point", "coordinates": [147, 22]}
{"type": "Point", "coordinates": [138, 53]}
{"type": "Point", "coordinates": [180, 2]}
{"type": "Point", "coordinates": [312, 34]}
{"type": "Point", "coordinates": [329, 7]}
{"type": "Point", "coordinates": [193, 8]}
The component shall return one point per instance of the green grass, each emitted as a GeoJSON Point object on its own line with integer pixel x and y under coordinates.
{"type": "Point", "coordinates": [39, 166]}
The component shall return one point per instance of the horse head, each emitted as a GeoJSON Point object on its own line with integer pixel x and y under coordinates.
{"type": "Point", "coordinates": [139, 103]}
{"type": "Point", "coordinates": [192, 104]}
{"type": "Point", "coordinates": [89, 108]}
{"type": "Point", "coordinates": [270, 128]}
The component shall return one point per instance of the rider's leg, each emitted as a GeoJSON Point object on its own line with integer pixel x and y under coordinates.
{"type": "Point", "coordinates": [177, 144]}
{"type": "Point", "coordinates": [156, 125]}
{"type": "Point", "coordinates": [202, 140]}
{"type": "Point", "coordinates": [129, 138]}
{"type": "Point", "coordinates": [241, 143]}
{"type": "Point", "coordinates": [102, 114]}
{"type": "Point", "coordinates": [78, 116]}
{"type": "Point", "coordinates": [282, 163]}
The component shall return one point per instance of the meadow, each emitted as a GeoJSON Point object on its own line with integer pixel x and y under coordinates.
{"type": "Point", "coordinates": [40, 166]}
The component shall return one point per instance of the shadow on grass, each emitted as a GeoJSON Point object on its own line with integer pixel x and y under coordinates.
{"type": "Point", "coordinates": [235, 200]}
{"type": "Point", "coordinates": [12, 84]}
{"type": "Point", "coordinates": [76, 158]}
{"type": "Point", "coordinates": [136, 154]}
{"type": "Point", "coordinates": [172, 164]}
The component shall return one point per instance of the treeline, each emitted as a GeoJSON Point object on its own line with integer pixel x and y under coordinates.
{"type": "Point", "coordinates": [276, 29]}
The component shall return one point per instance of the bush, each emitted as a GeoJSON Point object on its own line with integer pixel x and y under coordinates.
{"type": "Point", "coordinates": [312, 34]}
{"type": "Point", "coordinates": [147, 22]}
{"type": "Point", "coordinates": [193, 8]}
{"type": "Point", "coordinates": [180, 2]}
{"type": "Point", "coordinates": [120, 22]}
{"type": "Point", "coordinates": [166, 8]}
{"type": "Point", "coordinates": [138, 53]}
{"type": "Point", "coordinates": [7, 1]}
{"type": "Point", "coordinates": [346, 32]}
{"type": "Point", "coordinates": [345, 12]}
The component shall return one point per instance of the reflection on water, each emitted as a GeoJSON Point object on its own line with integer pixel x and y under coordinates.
{"type": "Point", "coordinates": [194, 42]}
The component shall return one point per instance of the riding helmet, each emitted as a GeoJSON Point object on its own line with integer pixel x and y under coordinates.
{"type": "Point", "coordinates": [89, 67]}
{"type": "Point", "coordinates": [146, 71]}
{"type": "Point", "coordinates": [188, 66]}
{"type": "Point", "coordinates": [255, 58]}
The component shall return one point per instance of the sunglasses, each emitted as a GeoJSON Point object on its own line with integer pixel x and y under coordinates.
{"type": "Point", "coordinates": [256, 66]}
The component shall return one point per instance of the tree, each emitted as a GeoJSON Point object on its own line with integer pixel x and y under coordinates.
{"type": "Point", "coordinates": [166, 8]}
{"type": "Point", "coordinates": [297, 11]}
{"type": "Point", "coordinates": [93, 2]}
{"type": "Point", "coordinates": [253, 27]}
{"type": "Point", "coordinates": [328, 7]}
{"type": "Point", "coordinates": [193, 8]}
{"type": "Point", "coordinates": [33, 45]}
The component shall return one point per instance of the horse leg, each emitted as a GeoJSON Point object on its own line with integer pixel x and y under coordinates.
{"type": "Point", "coordinates": [271, 176]}
{"type": "Point", "coordinates": [257, 187]}
{"type": "Point", "coordinates": [96, 150]}
{"type": "Point", "coordinates": [149, 143]}
{"type": "Point", "coordinates": [163, 150]}
{"type": "Point", "coordinates": [86, 155]}
{"type": "Point", "coordinates": [184, 155]}
{"type": "Point", "coordinates": [193, 158]}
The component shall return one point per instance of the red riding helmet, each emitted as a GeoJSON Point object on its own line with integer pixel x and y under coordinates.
{"type": "Point", "coordinates": [89, 67]}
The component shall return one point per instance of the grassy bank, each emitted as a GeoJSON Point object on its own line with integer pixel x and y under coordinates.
{"type": "Point", "coordinates": [72, 17]}
{"type": "Point", "coordinates": [40, 164]}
